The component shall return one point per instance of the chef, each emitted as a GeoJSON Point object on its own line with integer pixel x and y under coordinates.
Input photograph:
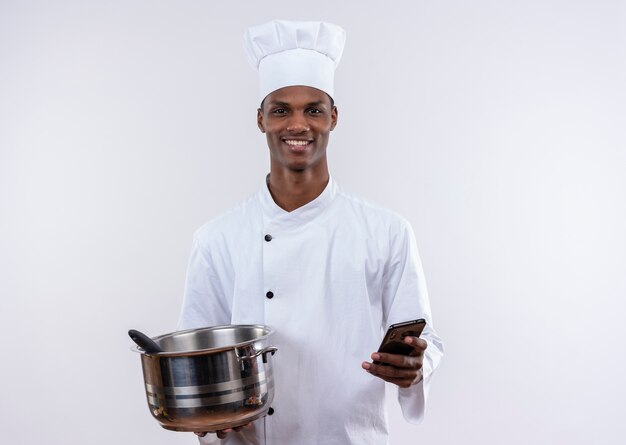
{"type": "Point", "coordinates": [327, 269]}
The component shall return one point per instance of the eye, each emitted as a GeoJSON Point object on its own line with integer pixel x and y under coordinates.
{"type": "Point", "coordinates": [314, 110]}
{"type": "Point", "coordinates": [279, 111]}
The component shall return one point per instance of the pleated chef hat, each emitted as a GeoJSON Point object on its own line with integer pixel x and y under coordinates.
{"type": "Point", "coordinates": [294, 53]}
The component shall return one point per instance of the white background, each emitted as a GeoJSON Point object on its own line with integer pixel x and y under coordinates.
{"type": "Point", "coordinates": [496, 127]}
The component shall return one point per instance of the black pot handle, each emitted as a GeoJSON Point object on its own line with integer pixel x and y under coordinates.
{"type": "Point", "coordinates": [144, 342]}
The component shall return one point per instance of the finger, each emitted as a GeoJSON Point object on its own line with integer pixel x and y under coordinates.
{"type": "Point", "coordinates": [399, 360]}
{"type": "Point", "coordinates": [419, 344]}
{"type": "Point", "coordinates": [200, 434]}
{"type": "Point", "coordinates": [222, 433]}
{"type": "Point", "coordinates": [392, 371]}
{"type": "Point", "coordinates": [403, 381]}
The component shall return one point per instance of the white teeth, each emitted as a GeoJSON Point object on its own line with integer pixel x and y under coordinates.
{"type": "Point", "coordinates": [302, 143]}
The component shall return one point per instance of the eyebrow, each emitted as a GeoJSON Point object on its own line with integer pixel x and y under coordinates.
{"type": "Point", "coordinates": [278, 104]}
{"type": "Point", "coordinates": [315, 104]}
{"type": "Point", "coordinates": [287, 105]}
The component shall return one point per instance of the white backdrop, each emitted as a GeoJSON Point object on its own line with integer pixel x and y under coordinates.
{"type": "Point", "coordinates": [496, 128]}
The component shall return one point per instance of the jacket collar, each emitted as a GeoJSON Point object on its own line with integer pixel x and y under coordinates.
{"type": "Point", "coordinates": [276, 217]}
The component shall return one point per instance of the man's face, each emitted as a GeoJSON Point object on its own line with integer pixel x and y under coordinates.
{"type": "Point", "coordinates": [297, 121]}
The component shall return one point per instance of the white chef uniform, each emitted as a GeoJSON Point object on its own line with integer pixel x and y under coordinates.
{"type": "Point", "coordinates": [339, 271]}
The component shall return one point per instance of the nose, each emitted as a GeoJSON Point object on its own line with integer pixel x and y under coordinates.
{"type": "Point", "coordinates": [297, 124]}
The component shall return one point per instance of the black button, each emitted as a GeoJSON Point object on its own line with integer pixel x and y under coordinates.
{"type": "Point", "coordinates": [268, 238]}
{"type": "Point", "coordinates": [270, 294]}
{"type": "Point", "coordinates": [270, 411]}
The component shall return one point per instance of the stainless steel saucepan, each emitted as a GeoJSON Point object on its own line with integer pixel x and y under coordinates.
{"type": "Point", "coordinates": [210, 379]}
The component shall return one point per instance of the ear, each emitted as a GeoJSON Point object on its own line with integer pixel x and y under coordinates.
{"type": "Point", "coordinates": [333, 118]}
{"type": "Point", "coordinates": [259, 120]}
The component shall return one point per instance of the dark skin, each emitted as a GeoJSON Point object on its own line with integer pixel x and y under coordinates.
{"type": "Point", "coordinates": [297, 122]}
{"type": "Point", "coordinates": [401, 370]}
{"type": "Point", "coordinates": [289, 117]}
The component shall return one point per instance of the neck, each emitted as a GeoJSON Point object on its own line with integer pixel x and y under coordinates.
{"type": "Point", "coordinates": [291, 190]}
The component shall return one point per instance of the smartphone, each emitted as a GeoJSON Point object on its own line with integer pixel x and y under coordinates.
{"type": "Point", "coordinates": [393, 343]}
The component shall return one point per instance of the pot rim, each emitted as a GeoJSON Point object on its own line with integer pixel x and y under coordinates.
{"type": "Point", "coordinates": [269, 331]}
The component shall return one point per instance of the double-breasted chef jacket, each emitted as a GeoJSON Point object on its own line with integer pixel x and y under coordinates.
{"type": "Point", "coordinates": [329, 277]}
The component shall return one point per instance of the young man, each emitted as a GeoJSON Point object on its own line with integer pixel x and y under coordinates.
{"type": "Point", "coordinates": [328, 270]}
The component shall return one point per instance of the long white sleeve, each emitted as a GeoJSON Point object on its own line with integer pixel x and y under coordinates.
{"type": "Point", "coordinates": [405, 297]}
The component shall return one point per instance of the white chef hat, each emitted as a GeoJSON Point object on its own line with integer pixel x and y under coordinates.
{"type": "Point", "coordinates": [294, 53]}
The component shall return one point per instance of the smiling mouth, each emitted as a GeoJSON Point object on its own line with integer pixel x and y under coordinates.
{"type": "Point", "coordinates": [296, 142]}
{"type": "Point", "coordinates": [298, 146]}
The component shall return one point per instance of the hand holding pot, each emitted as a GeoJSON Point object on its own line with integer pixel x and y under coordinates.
{"type": "Point", "coordinates": [401, 370]}
{"type": "Point", "coordinates": [221, 434]}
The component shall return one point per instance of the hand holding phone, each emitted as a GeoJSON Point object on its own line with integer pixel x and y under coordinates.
{"type": "Point", "coordinates": [393, 342]}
